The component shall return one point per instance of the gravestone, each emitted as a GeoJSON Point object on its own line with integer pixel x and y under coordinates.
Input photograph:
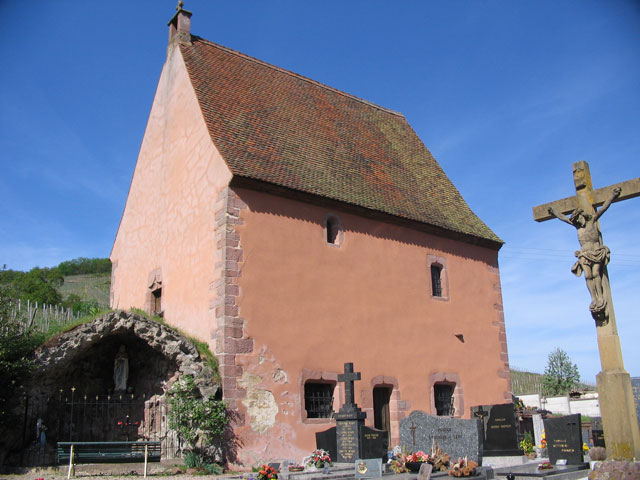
{"type": "Point", "coordinates": [538, 428]}
{"type": "Point", "coordinates": [368, 468]}
{"type": "Point", "coordinates": [374, 443]}
{"type": "Point", "coordinates": [499, 428]}
{"type": "Point", "coordinates": [564, 439]}
{"type": "Point", "coordinates": [348, 420]}
{"type": "Point", "coordinates": [456, 437]}
{"type": "Point", "coordinates": [326, 440]}
{"type": "Point", "coordinates": [597, 433]}
{"type": "Point", "coordinates": [635, 387]}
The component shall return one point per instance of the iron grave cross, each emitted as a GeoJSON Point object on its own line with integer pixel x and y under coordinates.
{"type": "Point", "coordinates": [614, 383]}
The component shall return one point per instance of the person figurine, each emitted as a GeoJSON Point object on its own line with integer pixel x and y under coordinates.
{"type": "Point", "coordinates": [593, 256]}
{"type": "Point", "coordinates": [121, 370]}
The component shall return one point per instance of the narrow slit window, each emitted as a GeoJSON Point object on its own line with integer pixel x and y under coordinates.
{"type": "Point", "coordinates": [333, 230]}
{"type": "Point", "coordinates": [436, 280]}
{"type": "Point", "coordinates": [156, 299]}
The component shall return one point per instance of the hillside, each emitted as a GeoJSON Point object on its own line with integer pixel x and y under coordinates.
{"type": "Point", "coordinates": [89, 287]}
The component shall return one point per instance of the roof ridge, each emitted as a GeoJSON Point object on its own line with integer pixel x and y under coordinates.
{"type": "Point", "coordinates": [297, 75]}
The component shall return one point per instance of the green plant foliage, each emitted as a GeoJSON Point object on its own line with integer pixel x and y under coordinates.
{"type": "Point", "coordinates": [213, 469]}
{"type": "Point", "coordinates": [192, 459]}
{"type": "Point", "coordinates": [527, 443]}
{"type": "Point", "coordinates": [16, 346]}
{"type": "Point", "coordinates": [81, 265]}
{"type": "Point", "coordinates": [199, 422]}
{"type": "Point", "coordinates": [560, 375]}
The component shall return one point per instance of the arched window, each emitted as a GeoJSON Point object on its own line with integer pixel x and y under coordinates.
{"type": "Point", "coordinates": [436, 280]}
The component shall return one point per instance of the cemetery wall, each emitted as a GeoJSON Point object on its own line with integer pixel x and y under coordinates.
{"type": "Point", "coordinates": [588, 405]}
{"type": "Point", "coordinates": [310, 306]}
{"type": "Point", "coordinates": [167, 228]}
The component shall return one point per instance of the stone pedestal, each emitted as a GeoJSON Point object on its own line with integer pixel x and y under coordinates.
{"type": "Point", "coordinates": [618, 414]}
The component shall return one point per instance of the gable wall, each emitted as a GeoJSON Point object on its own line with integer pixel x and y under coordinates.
{"type": "Point", "coordinates": [168, 224]}
{"type": "Point", "coordinates": [309, 307]}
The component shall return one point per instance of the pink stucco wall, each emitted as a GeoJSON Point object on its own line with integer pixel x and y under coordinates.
{"type": "Point", "coordinates": [310, 307]}
{"type": "Point", "coordinates": [168, 221]}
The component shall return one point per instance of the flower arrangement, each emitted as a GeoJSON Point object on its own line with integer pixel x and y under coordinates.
{"type": "Point", "coordinates": [418, 457]}
{"type": "Point", "coordinates": [545, 466]}
{"type": "Point", "coordinates": [585, 448]}
{"type": "Point", "coordinates": [543, 441]}
{"type": "Point", "coordinates": [318, 458]}
{"type": "Point", "coordinates": [463, 467]}
{"type": "Point", "coordinates": [438, 458]}
{"type": "Point", "coordinates": [267, 473]}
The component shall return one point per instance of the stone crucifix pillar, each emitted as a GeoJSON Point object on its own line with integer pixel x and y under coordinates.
{"type": "Point", "coordinates": [619, 419]}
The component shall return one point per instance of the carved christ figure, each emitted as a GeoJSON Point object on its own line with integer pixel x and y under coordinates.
{"type": "Point", "coordinates": [593, 255]}
{"type": "Point", "coordinates": [121, 370]}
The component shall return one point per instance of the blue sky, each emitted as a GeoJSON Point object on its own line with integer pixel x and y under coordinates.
{"type": "Point", "coordinates": [505, 94]}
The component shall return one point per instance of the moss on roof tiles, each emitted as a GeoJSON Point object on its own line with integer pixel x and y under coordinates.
{"type": "Point", "coordinates": [278, 127]}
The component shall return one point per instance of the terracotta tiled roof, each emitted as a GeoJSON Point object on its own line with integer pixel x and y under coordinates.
{"type": "Point", "coordinates": [278, 127]}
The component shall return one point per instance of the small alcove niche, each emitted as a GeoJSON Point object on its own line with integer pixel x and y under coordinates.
{"type": "Point", "coordinates": [334, 234]}
{"type": "Point", "coordinates": [154, 293]}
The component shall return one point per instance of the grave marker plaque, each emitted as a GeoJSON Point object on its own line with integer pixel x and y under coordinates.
{"type": "Point", "coordinates": [368, 468]}
{"type": "Point", "coordinates": [347, 441]}
{"type": "Point", "coordinates": [500, 429]}
{"type": "Point", "coordinates": [457, 437]}
{"type": "Point", "coordinates": [564, 439]}
{"type": "Point", "coordinates": [374, 443]}
{"type": "Point", "coordinates": [597, 433]}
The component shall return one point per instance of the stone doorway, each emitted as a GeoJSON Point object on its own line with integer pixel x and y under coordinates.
{"type": "Point", "coordinates": [381, 411]}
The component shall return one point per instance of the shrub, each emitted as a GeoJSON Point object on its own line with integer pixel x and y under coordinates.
{"type": "Point", "coordinates": [597, 453]}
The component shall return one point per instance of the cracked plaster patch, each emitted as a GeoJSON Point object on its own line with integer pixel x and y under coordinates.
{"type": "Point", "coordinates": [261, 404]}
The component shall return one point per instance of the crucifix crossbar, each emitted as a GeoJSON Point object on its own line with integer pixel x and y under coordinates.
{"type": "Point", "coordinates": [629, 189]}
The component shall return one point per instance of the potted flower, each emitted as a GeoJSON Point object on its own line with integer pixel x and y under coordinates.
{"type": "Point", "coordinates": [527, 445]}
{"type": "Point", "coordinates": [463, 467]}
{"type": "Point", "coordinates": [318, 459]}
{"type": "Point", "coordinates": [413, 461]}
{"type": "Point", "coordinates": [267, 473]}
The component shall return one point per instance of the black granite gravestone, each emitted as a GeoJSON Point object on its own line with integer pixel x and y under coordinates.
{"type": "Point", "coordinates": [349, 419]}
{"type": "Point", "coordinates": [456, 437]}
{"type": "Point", "coordinates": [564, 439]}
{"type": "Point", "coordinates": [326, 440]}
{"type": "Point", "coordinates": [597, 433]}
{"type": "Point", "coordinates": [500, 429]}
{"type": "Point", "coordinates": [374, 443]}
{"type": "Point", "coordinates": [635, 386]}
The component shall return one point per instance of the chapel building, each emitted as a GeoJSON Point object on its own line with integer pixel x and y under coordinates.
{"type": "Point", "coordinates": [295, 227]}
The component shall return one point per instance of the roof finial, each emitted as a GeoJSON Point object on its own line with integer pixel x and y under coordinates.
{"type": "Point", "coordinates": [180, 5]}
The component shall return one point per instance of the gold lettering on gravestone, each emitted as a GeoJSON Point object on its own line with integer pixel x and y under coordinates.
{"type": "Point", "coordinates": [348, 442]}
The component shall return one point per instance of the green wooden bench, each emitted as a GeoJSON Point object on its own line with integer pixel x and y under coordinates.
{"type": "Point", "coordinates": [108, 452]}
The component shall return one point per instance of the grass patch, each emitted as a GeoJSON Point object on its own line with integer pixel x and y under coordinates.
{"type": "Point", "coordinates": [56, 329]}
{"type": "Point", "coordinates": [203, 349]}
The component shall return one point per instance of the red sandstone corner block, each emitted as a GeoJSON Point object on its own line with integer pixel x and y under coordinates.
{"type": "Point", "coordinates": [244, 345]}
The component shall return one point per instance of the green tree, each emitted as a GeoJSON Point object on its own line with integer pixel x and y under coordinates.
{"type": "Point", "coordinates": [16, 346]}
{"type": "Point", "coordinates": [198, 421]}
{"type": "Point", "coordinates": [561, 375]}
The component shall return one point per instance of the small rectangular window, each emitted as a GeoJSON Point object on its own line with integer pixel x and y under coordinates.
{"type": "Point", "coordinates": [443, 393]}
{"type": "Point", "coordinates": [318, 399]}
{"type": "Point", "coordinates": [436, 280]}
{"type": "Point", "coordinates": [156, 301]}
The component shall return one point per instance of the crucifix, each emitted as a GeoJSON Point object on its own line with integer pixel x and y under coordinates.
{"type": "Point", "coordinates": [413, 434]}
{"type": "Point", "coordinates": [614, 383]}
